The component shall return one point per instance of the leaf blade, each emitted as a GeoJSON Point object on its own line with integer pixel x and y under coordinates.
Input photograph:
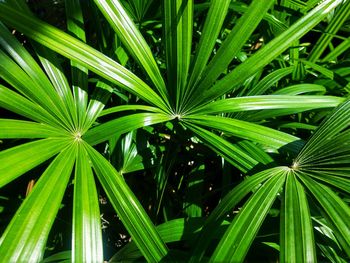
{"type": "Point", "coordinates": [297, 238]}
{"type": "Point", "coordinates": [78, 51]}
{"type": "Point", "coordinates": [235, 244]}
{"type": "Point", "coordinates": [86, 235]}
{"type": "Point", "coordinates": [270, 51]}
{"type": "Point", "coordinates": [228, 203]}
{"type": "Point", "coordinates": [18, 160]}
{"type": "Point", "coordinates": [24, 129]}
{"type": "Point", "coordinates": [133, 40]}
{"type": "Point", "coordinates": [128, 208]}
{"type": "Point", "coordinates": [178, 22]}
{"type": "Point", "coordinates": [25, 237]}
{"type": "Point", "coordinates": [246, 130]}
{"type": "Point", "coordinates": [123, 125]}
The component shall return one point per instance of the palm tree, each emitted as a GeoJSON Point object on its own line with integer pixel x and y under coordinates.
{"type": "Point", "coordinates": [218, 95]}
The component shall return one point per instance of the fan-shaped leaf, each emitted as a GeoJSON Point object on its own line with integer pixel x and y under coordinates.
{"type": "Point", "coordinates": [226, 205]}
{"type": "Point", "coordinates": [76, 50]}
{"type": "Point", "coordinates": [132, 39]}
{"type": "Point", "coordinates": [235, 243]}
{"type": "Point", "coordinates": [297, 238]}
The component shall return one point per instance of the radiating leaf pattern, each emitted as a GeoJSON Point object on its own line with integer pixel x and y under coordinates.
{"type": "Point", "coordinates": [201, 123]}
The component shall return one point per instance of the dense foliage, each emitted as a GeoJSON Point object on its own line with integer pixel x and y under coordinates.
{"type": "Point", "coordinates": [179, 130]}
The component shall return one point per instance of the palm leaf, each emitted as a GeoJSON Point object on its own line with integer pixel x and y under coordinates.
{"type": "Point", "coordinates": [245, 130]}
{"type": "Point", "coordinates": [235, 243]}
{"type": "Point", "coordinates": [228, 203]}
{"type": "Point", "coordinates": [213, 22]}
{"type": "Point", "coordinates": [20, 159]}
{"type": "Point", "coordinates": [32, 75]}
{"type": "Point", "coordinates": [25, 237]}
{"type": "Point", "coordinates": [269, 52]}
{"type": "Point", "coordinates": [87, 236]}
{"type": "Point", "coordinates": [337, 211]}
{"type": "Point", "coordinates": [178, 22]}
{"type": "Point", "coordinates": [15, 76]}
{"type": "Point", "coordinates": [249, 103]}
{"type": "Point", "coordinates": [80, 52]}
{"type": "Point", "coordinates": [132, 39]}
{"type": "Point", "coordinates": [235, 41]}
{"type": "Point", "coordinates": [26, 129]}
{"type": "Point", "coordinates": [339, 18]}
{"type": "Point", "coordinates": [122, 125]}
{"type": "Point", "coordinates": [128, 208]}
{"type": "Point", "coordinates": [297, 238]}
{"type": "Point", "coordinates": [16, 103]}
{"type": "Point", "coordinates": [75, 25]}
{"type": "Point", "coordinates": [233, 154]}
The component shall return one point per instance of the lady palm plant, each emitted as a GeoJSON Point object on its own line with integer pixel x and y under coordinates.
{"type": "Point", "coordinates": [218, 93]}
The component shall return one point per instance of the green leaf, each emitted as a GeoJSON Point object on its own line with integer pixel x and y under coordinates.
{"type": "Point", "coordinates": [138, 9]}
{"type": "Point", "coordinates": [25, 61]}
{"type": "Point", "coordinates": [15, 76]}
{"type": "Point", "coordinates": [234, 41]}
{"type": "Point", "coordinates": [269, 52]}
{"type": "Point", "coordinates": [25, 237]}
{"type": "Point", "coordinates": [297, 125]}
{"type": "Point", "coordinates": [318, 102]}
{"type": "Point", "coordinates": [129, 108]}
{"type": "Point", "coordinates": [339, 18]}
{"type": "Point", "coordinates": [193, 200]}
{"type": "Point", "coordinates": [242, 8]}
{"type": "Point", "coordinates": [170, 231]}
{"type": "Point", "coordinates": [178, 23]}
{"type": "Point", "coordinates": [301, 89]}
{"type": "Point", "coordinates": [27, 73]}
{"type": "Point", "coordinates": [324, 136]}
{"type": "Point", "coordinates": [128, 154]}
{"type": "Point", "coordinates": [54, 71]}
{"type": "Point", "coordinates": [133, 40]}
{"type": "Point", "coordinates": [339, 50]}
{"type": "Point", "coordinates": [297, 238]}
{"type": "Point", "coordinates": [226, 205]}
{"type": "Point", "coordinates": [58, 257]}
{"type": "Point", "coordinates": [122, 125]}
{"type": "Point", "coordinates": [245, 130]}
{"type": "Point", "coordinates": [52, 68]}
{"type": "Point", "coordinates": [20, 159]}
{"type": "Point", "coordinates": [87, 235]}
{"type": "Point", "coordinates": [100, 97]}
{"type": "Point", "coordinates": [16, 103]}
{"type": "Point", "coordinates": [211, 29]}
{"type": "Point", "coordinates": [334, 207]}
{"type": "Point", "coordinates": [330, 179]}
{"type": "Point", "coordinates": [267, 82]}
{"type": "Point", "coordinates": [26, 129]}
{"type": "Point", "coordinates": [302, 103]}
{"type": "Point", "coordinates": [324, 71]}
{"type": "Point", "coordinates": [76, 50]}
{"type": "Point", "coordinates": [255, 151]}
{"type": "Point", "coordinates": [227, 150]}
{"type": "Point", "coordinates": [330, 248]}
{"type": "Point", "coordinates": [235, 243]}
{"type": "Point", "coordinates": [128, 208]}
{"type": "Point", "coordinates": [75, 25]}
